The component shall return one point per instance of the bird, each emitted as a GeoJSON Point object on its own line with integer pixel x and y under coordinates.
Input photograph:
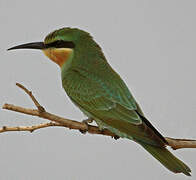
{"type": "Point", "coordinates": [100, 93]}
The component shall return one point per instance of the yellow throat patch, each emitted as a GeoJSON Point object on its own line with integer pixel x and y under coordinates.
{"type": "Point", "coordinates": [58, 55]}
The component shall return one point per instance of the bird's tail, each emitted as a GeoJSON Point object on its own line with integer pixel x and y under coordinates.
{"type": "Point", "coordinates": [167, 159]}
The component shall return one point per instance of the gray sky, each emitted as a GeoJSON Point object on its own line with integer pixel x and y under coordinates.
{"type": "Point", "coordinates": [150, 43]}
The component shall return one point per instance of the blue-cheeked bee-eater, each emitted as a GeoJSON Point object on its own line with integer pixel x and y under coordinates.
{"type": "Point", "coordinates": [101, 94]}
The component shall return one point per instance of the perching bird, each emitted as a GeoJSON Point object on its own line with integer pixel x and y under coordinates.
{"type": "Point", "coordinates": [100, 93]}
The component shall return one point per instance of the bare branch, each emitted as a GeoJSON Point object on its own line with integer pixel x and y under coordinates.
{"type": "Point", "coordinates": [71, 124]}
{"type": "Point", "coordinates": [39, 107]}
{"type": "Point", "coordinates": [181, 143]}
{"type": "Point", "coordinates": [28, 128]}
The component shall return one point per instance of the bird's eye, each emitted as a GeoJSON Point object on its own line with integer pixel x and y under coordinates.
{"type": "Point", "coordinates": [61, 44]}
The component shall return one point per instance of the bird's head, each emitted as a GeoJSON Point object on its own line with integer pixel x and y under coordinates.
{"type": "Point", "coordinates": [59, 45]}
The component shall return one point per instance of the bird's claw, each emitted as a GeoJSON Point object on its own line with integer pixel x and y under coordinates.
{"type": "Point", "coordinates": [83, 131]}
{"type": "Point", "coordinates": [89, 120]}
{"type": "Point", "coordinates": [86, 121]}
{"type": "Point", "coordinates": [116, 137]}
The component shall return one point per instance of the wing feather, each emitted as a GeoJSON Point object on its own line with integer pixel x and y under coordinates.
{"type": "Point", "coordinates": [99, 96]}
{"type": "Point", "coordinates": [109, 101]}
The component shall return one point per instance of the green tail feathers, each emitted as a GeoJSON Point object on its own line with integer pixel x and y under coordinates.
{"type": "Point", "coordinates": [167, 159]}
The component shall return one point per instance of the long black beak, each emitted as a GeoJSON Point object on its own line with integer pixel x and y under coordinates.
{"type": "Point", "coordinates": [34, 45]}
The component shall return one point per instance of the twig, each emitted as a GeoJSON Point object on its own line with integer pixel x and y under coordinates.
{"type": "Point", "coordinates": [39, 107]}
{"type": "Point", "coordinates": [71, 124]}
{"type": "Point", "coordinates": [28, 128]}
{"type": "Point", "coordinates": [181, 143]}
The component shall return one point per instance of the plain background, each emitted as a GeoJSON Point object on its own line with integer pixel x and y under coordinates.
{"type": "Point", "coordinates": [150, 43]}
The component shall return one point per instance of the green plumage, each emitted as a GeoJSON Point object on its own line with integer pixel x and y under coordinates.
{"type": "Point", "coordinates": [101, 94]}
{"type": "Point", "coordinates": [167, 159]}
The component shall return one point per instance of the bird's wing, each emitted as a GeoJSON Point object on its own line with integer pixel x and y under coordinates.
{"type": "Point", "coordinates": [109, 97]}
{"type": "Point", "coordinates": [108, 100]}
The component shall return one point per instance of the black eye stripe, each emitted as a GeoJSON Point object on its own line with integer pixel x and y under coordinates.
{"type": "Point", "coordinates": [60, 44]}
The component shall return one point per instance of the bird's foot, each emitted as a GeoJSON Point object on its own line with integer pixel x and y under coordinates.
{"type": "Point", "coordinates": [116, 137]}
{"type": "Point", "coordinates": [86, 122]}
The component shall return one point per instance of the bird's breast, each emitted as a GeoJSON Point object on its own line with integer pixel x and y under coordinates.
{"type": "Point", "coordinates": [58, 55]}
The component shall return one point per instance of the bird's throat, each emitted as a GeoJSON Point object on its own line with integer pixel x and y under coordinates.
{"type": "Point", "coordinates": [58, 55]}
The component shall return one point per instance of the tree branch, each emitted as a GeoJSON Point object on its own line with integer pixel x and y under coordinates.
{"type": "Point", "coordinates": [181, 143]}
{"type": "Point", "coordinates": [71, 124]}
{"type": "Point", "coordinates": [39, 107]}
{"type": "Point", "coordinates": [27, 128]}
